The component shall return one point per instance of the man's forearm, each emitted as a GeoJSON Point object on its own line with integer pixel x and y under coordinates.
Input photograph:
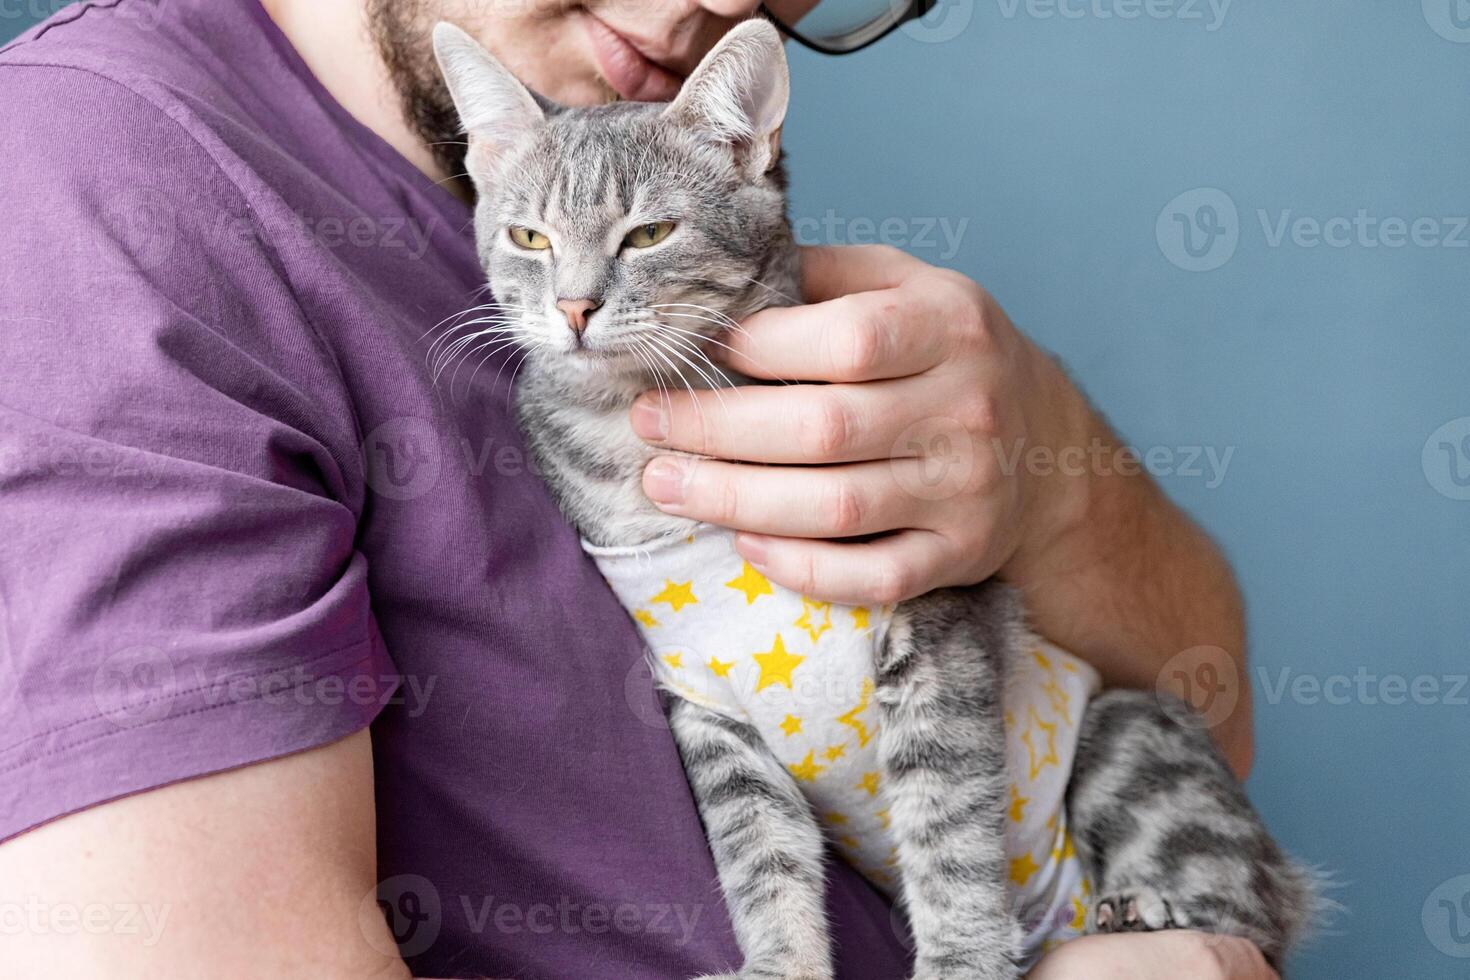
{"type": "Point", "coordinates": [1118, 574]}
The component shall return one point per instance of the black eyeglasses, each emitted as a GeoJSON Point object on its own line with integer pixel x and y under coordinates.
{"type": "Point", "coordinates": [845, 26]}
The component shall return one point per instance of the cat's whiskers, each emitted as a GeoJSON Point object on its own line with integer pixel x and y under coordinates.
{"type": "Point", "coordinates": [666, 342]}
{"type": "Point", "coordinates": [496, 346]}
{"type": "Point", "coordinates": [441, 363]}
{"type": "Point", "coordinates": [790, 299]}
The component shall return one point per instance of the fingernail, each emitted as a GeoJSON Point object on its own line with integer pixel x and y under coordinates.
{"type": "Point", "coordinates": [650, 418]}
{"type": "Point", "coordinates": [663, 480]}
{"type": "Point", "coordinates": [751, 548]}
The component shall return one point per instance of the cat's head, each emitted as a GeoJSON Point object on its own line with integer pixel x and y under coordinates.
{"type": "Point", "coordinates": [620, 238]}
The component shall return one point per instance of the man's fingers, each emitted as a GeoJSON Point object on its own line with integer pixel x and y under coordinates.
{"type": "Point", "coordinates": [857, 337]}
{"type": "Point", "coordinates": [795, 501]}
{"type": "Point", "coordinates": [872, 573]}
{"type": "Point", "coordinates": [784, 424]}
{"type": "Point", "coordinates": [829, 271]}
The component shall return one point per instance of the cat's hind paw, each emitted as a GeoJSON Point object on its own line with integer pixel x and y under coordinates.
{"type": "Point", "coordinates": [1139, 909]}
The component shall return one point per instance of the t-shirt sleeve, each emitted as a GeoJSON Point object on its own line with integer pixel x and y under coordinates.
{"type": "Point", "coordinates": [180, 491]}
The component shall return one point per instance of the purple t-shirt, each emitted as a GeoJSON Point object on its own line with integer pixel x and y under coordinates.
{"type": "Point", "coordinates": [239, 518]}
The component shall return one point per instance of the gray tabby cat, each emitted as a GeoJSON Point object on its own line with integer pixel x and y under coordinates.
{"type": "Point", "coordinates": [621, 243]}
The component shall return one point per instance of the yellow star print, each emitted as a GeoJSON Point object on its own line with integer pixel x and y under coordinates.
{"type": "Point", "coordinates": [1061, 701]}
{"type": "Point", "coordinates": [883, 819]}
{"type": "Point", "coordinates": [645, 617]}
{"type": "Point", "coordinates": [719, 667]}
{"type": "Point", "coordinates": [851, 720]}
{"type": "Point", "coordinates": [677, 594]}
{"type": "Point", "coordinates": [860, 618]}
{"type": "Point", "coordinates": [869, 782]}
{"type": "Point", "coordinates": [836, 819]}
{"type": "Point", "coordinates": [835, 752]}
{"type": "Point", "coordinates": [1018, 805]}
{"type": "Point", "coordinates": [806, 770]}
{"type": "Point", "coordinates": [674, 660]}
{"type": "Point", "coordinates": [776, 665]}
{"type": "Point", "coordinates": [1022, 868]}
{"type": "Point", "coordinates": [750, 582]}
{"type": "Point", "coordinates": [1038, 760]}
{"type": "Point", "coordinates": [791, 725]}
{"type": "Point", "coordinates": [815, 618]}
{"type": "Point", "coordinates": [1043, 660]}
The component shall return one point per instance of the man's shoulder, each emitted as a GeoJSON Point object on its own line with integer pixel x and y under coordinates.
{"type": "Point", "coordinates": [110, 72]}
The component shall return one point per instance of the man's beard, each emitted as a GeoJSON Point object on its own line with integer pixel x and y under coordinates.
{"type": "Point", "coordinates": [402, 31]}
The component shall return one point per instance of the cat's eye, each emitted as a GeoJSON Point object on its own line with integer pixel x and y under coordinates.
{"type": "Point", "coordinates": [645, 236]}
{"type": "Point", "coordinates": [529, 238]}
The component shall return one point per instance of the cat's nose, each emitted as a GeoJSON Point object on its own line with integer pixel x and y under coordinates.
{"type": "Point", "coordinates": [577, 312]}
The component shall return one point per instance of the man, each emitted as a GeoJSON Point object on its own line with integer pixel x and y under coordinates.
{"type": "Point", "coordinates": [243, 522]}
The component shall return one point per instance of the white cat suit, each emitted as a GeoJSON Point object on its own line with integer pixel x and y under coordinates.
{"type": "Point", "coordinates": [801, 672]}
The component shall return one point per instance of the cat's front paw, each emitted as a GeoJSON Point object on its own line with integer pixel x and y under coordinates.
{"type": "Point", "coordinates": [1138, 909]}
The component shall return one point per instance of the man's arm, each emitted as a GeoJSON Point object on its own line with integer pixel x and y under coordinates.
{"type": "Point", "coordinates": [1124, 579]}
{"type": "Point", "coordinates": [944, 447]}
{"type": "Point", "coordinates": [266, 871]}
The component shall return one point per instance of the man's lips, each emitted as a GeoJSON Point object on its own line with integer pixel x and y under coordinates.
{"type": "Point", "coordinates": [631, 75]}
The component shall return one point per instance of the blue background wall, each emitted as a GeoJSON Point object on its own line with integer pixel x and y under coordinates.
{"type": "Point", "coordinates": [1055, 148]}
{"type": "Point", "coordinates": [1327, 369]}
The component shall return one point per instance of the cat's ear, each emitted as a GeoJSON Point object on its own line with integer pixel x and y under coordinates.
{"type": "Point", "coordinates": [494, 107]}
{"type": "Point", "coordinates": [738, 94]}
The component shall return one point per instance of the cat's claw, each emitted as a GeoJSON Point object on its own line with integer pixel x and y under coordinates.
{"type": "Point", "coordinates": [1135, 910]}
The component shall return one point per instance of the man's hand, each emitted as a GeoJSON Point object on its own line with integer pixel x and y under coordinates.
{"type": "Point", "coordinates": [1165, 955]}
{"type": "Point", "coordinates": [925, 371]}
{"type": "Point", "coordinates": [943, 448]}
